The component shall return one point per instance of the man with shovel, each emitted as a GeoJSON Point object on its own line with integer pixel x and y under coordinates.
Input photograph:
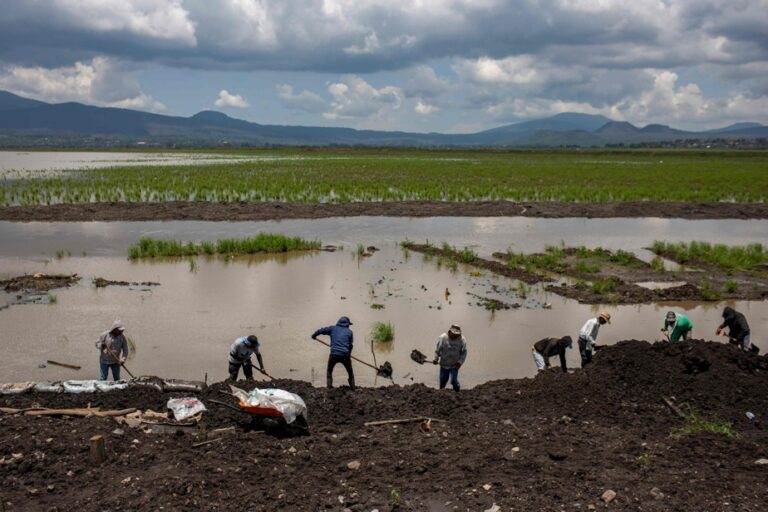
{"type": "Point", "coordinates": [450, 354]}
{"type": "Point", "coordinates": [341, 348]}
{"type": "Point", "coordinates": [113, 348]}
{"type": "Point", "coordinates": [240, 356]}
{"type": "Point", "coordinates": [680, 325]}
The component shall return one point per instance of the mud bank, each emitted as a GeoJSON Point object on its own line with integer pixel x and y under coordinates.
{"type": "Point", "coordinates": [555, 442]}
{"type": "Point", "coordinates": [243, 211]}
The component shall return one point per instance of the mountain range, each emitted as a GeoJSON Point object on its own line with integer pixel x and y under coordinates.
{"type": "Point", "coordinates": [25, 121]}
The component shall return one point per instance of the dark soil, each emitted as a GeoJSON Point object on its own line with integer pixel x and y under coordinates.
{"type": "Point", "coordinates": [270, 210]}
{"type": "Point", "coordinates": [556, 442]}
{"type": "Point", "coordinates": [38, 282]}
{"type": "Point", "coordinates": [100, 282]}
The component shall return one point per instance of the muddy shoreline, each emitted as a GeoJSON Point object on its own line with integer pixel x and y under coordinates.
{"type": "Point", "coordinates": [243, 211]}
{"type": "Point", "coordinates": [555, 442]}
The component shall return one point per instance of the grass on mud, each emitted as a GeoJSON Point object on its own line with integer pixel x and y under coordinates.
{"type": "Point", "coordinates": [341, 176]}
{"type": "Point", "coordinates": [261, 243]}
{"type": "Point", "coordinates": [382, 332]}
{"type": "Point", "coordinates": [564, 260]}
{"type": "Point", "coordinates": [735, 257]}
{"type": "Point", "coordinates": [695, 423]}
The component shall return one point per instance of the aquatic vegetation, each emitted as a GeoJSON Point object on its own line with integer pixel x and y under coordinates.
{"type": "Point", "coordinates": [261, 243]}
{"type": "Point", "coordinates": [382, 332]}
{"type": "Point", "coordinates": [335, 176]}
{"type": "Point", "coordinates": [735, 257]}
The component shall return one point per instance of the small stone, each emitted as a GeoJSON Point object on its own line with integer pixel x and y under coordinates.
{"type": "Point", "coordinates": [70, 473]}
{"type": "Point", "coordinates": [17, 456]}
{"type": "Point", "coordinates": [49, 440]}
{"type": "Point", "coordinates": [656, 493]}
{"type": "Point", "coordinates": [354, 465]}
{"type": "Point", "coordinates": [135, 441]}
{"type": "Point", "coordinates": [125, 481]}
{"type": "Point", "coordinates": [608, 496]}
{"type": "Point", "coordinates": [590, 507]}
{"type": "Point", "coordinates": [761, 462]}
{"type": "Point", "coordinates": [118, 432]}
{"type": "Point", "coordinates": [507, 422]}
{"type": "Point", "coordinates": [487, 487]}
{"type": "Point", "coordinates": [516, 449]}
{"type": "Point", "coordinates": [494, 508]}
{"type": "Point", "coordinates": [33, 491]}
{"type": "Point", "coordinates": [51, 487]}
{"type": "Point", "coordinates": [292, 450]}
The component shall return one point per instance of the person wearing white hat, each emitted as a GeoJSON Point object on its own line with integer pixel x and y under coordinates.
{"type": "Point", "coordinates": [450, 353]}
{"type": "Point", "coordinates": [588, 335]}
{"type": "Point", "coordinates": [113, 350]}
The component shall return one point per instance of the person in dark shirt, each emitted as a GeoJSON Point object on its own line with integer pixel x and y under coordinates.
{"type": "Point", "coordinates": [738, 328]}
{"type": "Point", "coordinates": [341, 348]}
{"type": "Point", "coordinates": [550, 347]}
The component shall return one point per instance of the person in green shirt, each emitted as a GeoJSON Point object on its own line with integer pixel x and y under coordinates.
{"type": "Point", "coordinates": [680, 325]}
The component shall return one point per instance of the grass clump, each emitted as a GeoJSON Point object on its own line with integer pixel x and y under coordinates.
{"type": "Point", "coordinates": [382, 332]}
{"type": "Point", "coordinates": [261, 243]}
{"type": "Point", "coordinates": [735, 257]}
{"type": "Point", "coordinates": [695, 423]}
{"type": "Point", "coordinates": [377, 306]}
{"type": "Point", "coordinates": [602, 286]}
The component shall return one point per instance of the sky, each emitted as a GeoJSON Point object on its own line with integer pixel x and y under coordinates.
{"type": "Point", "coordinates": [451, 66]}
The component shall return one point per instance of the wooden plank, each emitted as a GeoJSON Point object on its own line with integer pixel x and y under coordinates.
{"type": "Point", "coordinates": [97, 452]}
{"type": "Point", "coordinates": [65, 365]}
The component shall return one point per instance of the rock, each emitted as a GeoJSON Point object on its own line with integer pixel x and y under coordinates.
{"type": "Point", "coordinates": [292, 449]}
{"type": "Point", "coordinates": [118, 432]}
{"type": "Point", "coordinates": [508, 422]}
{"type": "Point", "coordinates": [558, 456]}
{"type": "Point", "coordinates": [135, 441]}
{"type": "Point", "coordinates": [608, 496]}
{"type": "Point", "coordinates": [590, 507]}
{"type": "Point", "coordinates": [354, 465]}
{"type": "Point", "coordinates": [487, 487]}
{"type": "Point", "coordinates": [656, 493]}
{"type": "Point", "coordinates": [512, 453]}
{"type": "Point", "coordinates": [125, 481]}
{"type": "Point", "coordinates": [761, 462]}
{"type": "Point", "coordinates": [494, 508]}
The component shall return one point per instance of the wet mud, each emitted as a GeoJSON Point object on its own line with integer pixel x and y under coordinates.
{"type": "Point", "coordinates": [242, 211]}
{"type": "Point", "coordinates": [37, 283]}
{"type": "Point", "coordinates": [557, 441]}
{"type": "Point", "coordinates": [100, 282]}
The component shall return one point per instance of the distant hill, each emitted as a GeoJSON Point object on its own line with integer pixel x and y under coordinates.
{"type": "Point", "coordinates": [29, 122]}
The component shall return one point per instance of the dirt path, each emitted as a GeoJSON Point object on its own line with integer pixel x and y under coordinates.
{"type": "Point", "coordinates": [269, 211]}
{"type": "Point", "coordinates": [556, 442]}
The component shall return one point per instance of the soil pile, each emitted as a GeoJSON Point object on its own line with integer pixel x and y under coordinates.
{"type": "Point", "coordinates": [558, 441]}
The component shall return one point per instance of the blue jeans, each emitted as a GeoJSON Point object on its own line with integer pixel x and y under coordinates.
{"type": "Point", "coordinates": [453, 373]}
{"type": "Point", "coordinates": [104, 367]}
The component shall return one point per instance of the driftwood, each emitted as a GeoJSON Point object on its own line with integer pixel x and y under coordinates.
{"type": "Point", "coordinates": [404, 420]}
{"type": "Point", "coordinates": [67, 412]}
{"type": "Point", "coordinates": [65, 365]}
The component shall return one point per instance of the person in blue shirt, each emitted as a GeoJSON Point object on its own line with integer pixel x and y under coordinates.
{"type": "Point", "coordinates": [240, 356]}
{"type": "Point", "coordinates": [341, 348]}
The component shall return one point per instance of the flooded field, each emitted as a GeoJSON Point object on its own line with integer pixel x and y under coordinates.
{"type": "Point", "coordinates": [183, 327]}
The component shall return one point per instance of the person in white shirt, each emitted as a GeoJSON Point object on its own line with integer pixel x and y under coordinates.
{"type": "Point", "coordinates": [240, 356]}
{"type": "Point", "coordinates": [588, 335]}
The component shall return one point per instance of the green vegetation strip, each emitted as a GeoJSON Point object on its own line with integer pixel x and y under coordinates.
{"type": "Point", "coordinates": [726, 257]}
{"type": "Point", "coordinates": [341, 176]}
{"type": "Point", "coordinates": [261, 243]}
{"type": "Point", "coordinates": [695, 423]}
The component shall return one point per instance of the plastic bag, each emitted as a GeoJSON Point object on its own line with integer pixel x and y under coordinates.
{"type": "Point", "coordinates": [49, 387]}
{"type": "Point", "coordinates": [289, 405]}
{"type": "Point", "coordinates": [79, 386]}
{"type": "Point", "coordinates": [184, 408]}
{"type": "Point", "coordinates": [147, 382]}
{"type": "Point", "coordinates": [182, 385]}
{"type": "Point", "coordinates": [16, 388]}
{"type": "Point", "coordinates": [105, 386]}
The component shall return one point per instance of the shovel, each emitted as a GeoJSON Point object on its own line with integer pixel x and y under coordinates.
{"type": "Point", "coordinates": [419, 357]}
{"type": "Point", "coordinates": [385, 370]}
{"type": "Point", "coordinates": [263, 372]}
{"type": "Point", "coordinates": [121, 363]}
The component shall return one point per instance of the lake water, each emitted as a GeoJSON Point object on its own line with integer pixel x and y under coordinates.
{"type": "Point", "coordinates": [184, 327]}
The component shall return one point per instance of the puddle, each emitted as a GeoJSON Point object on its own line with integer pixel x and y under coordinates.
{"type": "Point", "coordinates": [184, 327]}
{"type": "Point", "coordinates": [660, 285]}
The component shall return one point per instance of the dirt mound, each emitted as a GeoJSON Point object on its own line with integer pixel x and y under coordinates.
{"type": "Point", "coordinates": [38, 282]}
{"type": "Point", "coordinates": [557, 441]}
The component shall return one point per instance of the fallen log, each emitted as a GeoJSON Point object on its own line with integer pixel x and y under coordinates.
{"type": "Point", "coordinates": [65, 365]}
{"type": "Point", "coordinates": [404, 420]}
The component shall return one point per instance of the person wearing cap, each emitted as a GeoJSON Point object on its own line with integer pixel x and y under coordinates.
{"type": "Point", "coordinates": [450, 354]}
{"type": "Point", "coordinates": [342, 340]}
{"type": "Point", "coordinates": [240, 356]}
{"type": "Point", "coordinates": [113, 350]}
{"type": "Point", "coordinates": [738, 328]}
{"type": "Point", "coordinates": [550, 347]}
{"type": "Point", "coordinates": [680, 324]}
{"type": "Point", "coordinates": [588, 335]}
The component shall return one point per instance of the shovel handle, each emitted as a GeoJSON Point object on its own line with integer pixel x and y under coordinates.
{"type": "Point", "coordinates": [350, 355]}
{"type": "Point", "coordinates": [118, 360]}
{"type": "Point", "coordinates": [261, 371]}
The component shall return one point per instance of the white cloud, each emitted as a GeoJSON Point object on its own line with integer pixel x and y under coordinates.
{"type": "Point", "coordinates": [230, 100]}
{"type": "Point", "coordinates": [353, 97]}
{"type": "Point", "coordinates": [305, 101]}
{"type": "Point", "coordinates": [424, 108]}
{"type": "Point", "coordinates": [101, 82]}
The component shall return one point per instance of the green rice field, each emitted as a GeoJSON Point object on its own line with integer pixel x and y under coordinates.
{"type": "Point", "coordinates": [339, 176]}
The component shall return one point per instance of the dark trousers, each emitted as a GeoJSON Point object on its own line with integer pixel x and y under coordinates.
{"type": "Point", "coordinates": [453, 373]}
{"type": "Point", "coordinates": [347, 362]}
{"type": "Point", "coordinates": [105, 367]}
{"type": "Point", "coordinates": [234, 369]}
{"type": "Point", "coordinates": [586, 355]}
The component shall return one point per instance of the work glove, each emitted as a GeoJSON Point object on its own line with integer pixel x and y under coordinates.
{"type": "Point", "coordinates": [434, 361]}
{"type": "Point", "coordinates": [457, 366]}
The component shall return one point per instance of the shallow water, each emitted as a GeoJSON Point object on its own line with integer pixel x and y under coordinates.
{"type": "Point", "coordinates": [183, 328]}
